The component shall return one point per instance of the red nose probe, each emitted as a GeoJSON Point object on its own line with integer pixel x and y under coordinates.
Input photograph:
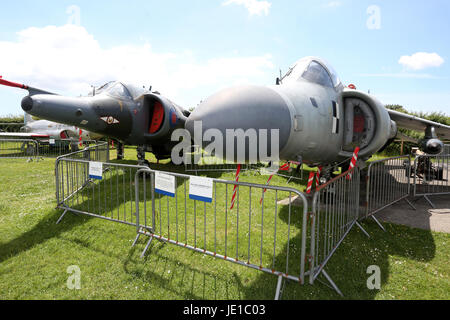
{"type": "Point", "coordinates": [12, 84]}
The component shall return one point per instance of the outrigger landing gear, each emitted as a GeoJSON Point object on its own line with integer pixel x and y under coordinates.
{"type": "Point", "coordinates": [120, 150]}
{"type": "Point", "coordinates": [141, 157]}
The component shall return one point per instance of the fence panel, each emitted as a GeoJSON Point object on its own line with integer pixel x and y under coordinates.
{"type": "Point", "coordinates": [387, 182]}
{"type": "Point", "coordinates": [56, 148]}
{"type": "Point", "coordinates": [264, 230]}
{"type": "Point", "coordinates": [19, 148]}
{"type": "Point", "coordinates": [335, 212]}
{"type": "Point", "coordinates": [431, 175]}
{"type": "Point", "coordinates": [446, 149]}
{"type": "Point", "coordinates": [109, 196]}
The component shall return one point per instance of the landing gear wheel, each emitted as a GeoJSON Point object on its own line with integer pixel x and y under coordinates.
{"type": "Point", "coordinates": [120, 150]}
{"type": "Point", "coordinates": [141, 157]}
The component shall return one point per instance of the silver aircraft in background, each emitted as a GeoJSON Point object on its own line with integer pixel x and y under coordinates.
{"type": "Point", "coordinates": [320, 121]}
{"type": "Point", "coordinates": [44, 129]}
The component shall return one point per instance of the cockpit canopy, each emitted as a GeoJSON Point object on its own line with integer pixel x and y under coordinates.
{"type": "Point", "coordinates": [315, 70]}
{"type": "Point", "coordinates": [119, 90]}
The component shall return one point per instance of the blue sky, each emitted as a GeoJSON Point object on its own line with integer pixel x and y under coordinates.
{"type": "Point", "coordinates": [190, 49]}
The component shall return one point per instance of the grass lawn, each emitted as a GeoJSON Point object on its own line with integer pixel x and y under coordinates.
{"type": "Point", "coordinates": [35, 254]}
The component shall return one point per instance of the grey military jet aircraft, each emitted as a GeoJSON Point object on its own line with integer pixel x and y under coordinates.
{"type": "Point", "coordinates": [129, 114]}
{"type": "Point", "coordinates": [49, 130]}
{"type": "Point", "coordinates": [320, 121]}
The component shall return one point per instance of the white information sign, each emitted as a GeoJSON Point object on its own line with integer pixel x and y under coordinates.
{"type": "Point", "coordinates": [95, 170]}
{"type": "Point", "coordinates": [201, 189]}
{"type": "Point", "coordinates": [165, 184]}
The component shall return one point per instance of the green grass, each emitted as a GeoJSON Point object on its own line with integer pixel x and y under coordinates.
{"type": "Point", "coordinates": [35, 253]}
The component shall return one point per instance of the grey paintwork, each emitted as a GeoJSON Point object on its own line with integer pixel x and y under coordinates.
{"type": "Point", "coordinates": [316, 115]}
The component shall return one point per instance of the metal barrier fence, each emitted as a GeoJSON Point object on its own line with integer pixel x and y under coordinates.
{"type": "Point", "coordinates": [446, 149]}
{"type": "Point", "coordinates": [335, 212]}
{"type": "Point", "coordinates": [56, 148]}
{"type": "Point", "coordinates": [264, 230]}
{"type": "Point", "coordinates": [213, 165]}
{"type": "Point", "coordinates": [42, 148]}
{"type": "Point", "coordinates": [98, 152]}
{"type": "Point", "coordinates": [431, 176]}
{"type": "Point", "coordinates": [387, 182]}
{"type": "Point", "coordinates": [106, 192]}
{"type": "Point", "coordinates": [262, 227]}
{"type": "Point", "coordinates": [19, 148]}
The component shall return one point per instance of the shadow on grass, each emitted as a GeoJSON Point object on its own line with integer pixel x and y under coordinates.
{"type": "Point", "coordinates": [44, 230]}
{"type": "Point", "coordinates": [181, 279]}
{"type": "Point", "coordinates": [348, 266]}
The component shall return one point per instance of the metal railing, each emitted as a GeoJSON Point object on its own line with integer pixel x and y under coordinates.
{"type": "Point", "coordinates": [387, 182]}
{"type": "Point", "coordinates": [213, 166]}
{"type": "Point", "coordinates": [109, 194]}
{"type": "Point", "coordinates": [446, 149]}
{"type": "Point", "coordinates": [335, 212]}
{"type": "Point", "coordinates": [264, 230]}
{"type": "Point", "coordinates": [431, 176]}
{"type": "Point", "coordinates": [98, 152]}
{"type": "Point", "coordinates": [55, 148]}
{"type": "Point", "coordinates": [45, 148]}
{"type": "Point", "coordinates": [19, 149]}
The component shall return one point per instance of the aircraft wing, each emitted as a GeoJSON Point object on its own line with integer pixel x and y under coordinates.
{"type": "Point", "coordinates": [406, 138]}
{"type": "Point", "coordinates": [411, 122]}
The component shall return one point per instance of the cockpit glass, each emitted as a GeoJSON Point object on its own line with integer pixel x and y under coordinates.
{"type": "Point", "coordinates": [104, 87]}
{"type": "Point", "coordinates": [134, 91]}
{"type": "Point", "coordinates": [314, 70]}
{"type": "Point", "coordinates": [317, 74]}
{"type": "Point", "coordinates": [118, 90]}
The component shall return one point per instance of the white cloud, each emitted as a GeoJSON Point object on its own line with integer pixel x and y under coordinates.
{"type": "Point", "coordinates": [68, 59]}
{"type": "Point", "coordinates": [421, 60]}
{"type": "Point", "coordinates": [254, 7]}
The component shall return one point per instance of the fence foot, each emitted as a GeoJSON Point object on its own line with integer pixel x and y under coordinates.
{"type": "Point", "coordinates": [410, 204]}
{"type": "Point", "coordinates": [62, 216]}
{"type": "Point", "coordinates": [146, 247]}
{"type": "Point", "coordinates": [332, 283]}
{"type": "Point", "coordinates": [135, 240]}
{"type": "Point", "coordinates": [379, 224]}
{"type": "Point", "coordinates": [279, 289]}
{"type": "Point", "coordinates": [429, 201]}
{"type": "Point", "coordinates": [362, 229]}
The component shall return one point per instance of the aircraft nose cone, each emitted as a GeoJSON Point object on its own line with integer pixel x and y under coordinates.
{"type": "Point", "coordinates": [27, 103]}
{"type": "Point", "coordinates": [243, 107]}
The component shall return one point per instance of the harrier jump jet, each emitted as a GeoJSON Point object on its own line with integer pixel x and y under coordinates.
{"type": "Point", "coordinates": [129, 114]}
{"type": "Point", "coordinates": [320, 121]}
